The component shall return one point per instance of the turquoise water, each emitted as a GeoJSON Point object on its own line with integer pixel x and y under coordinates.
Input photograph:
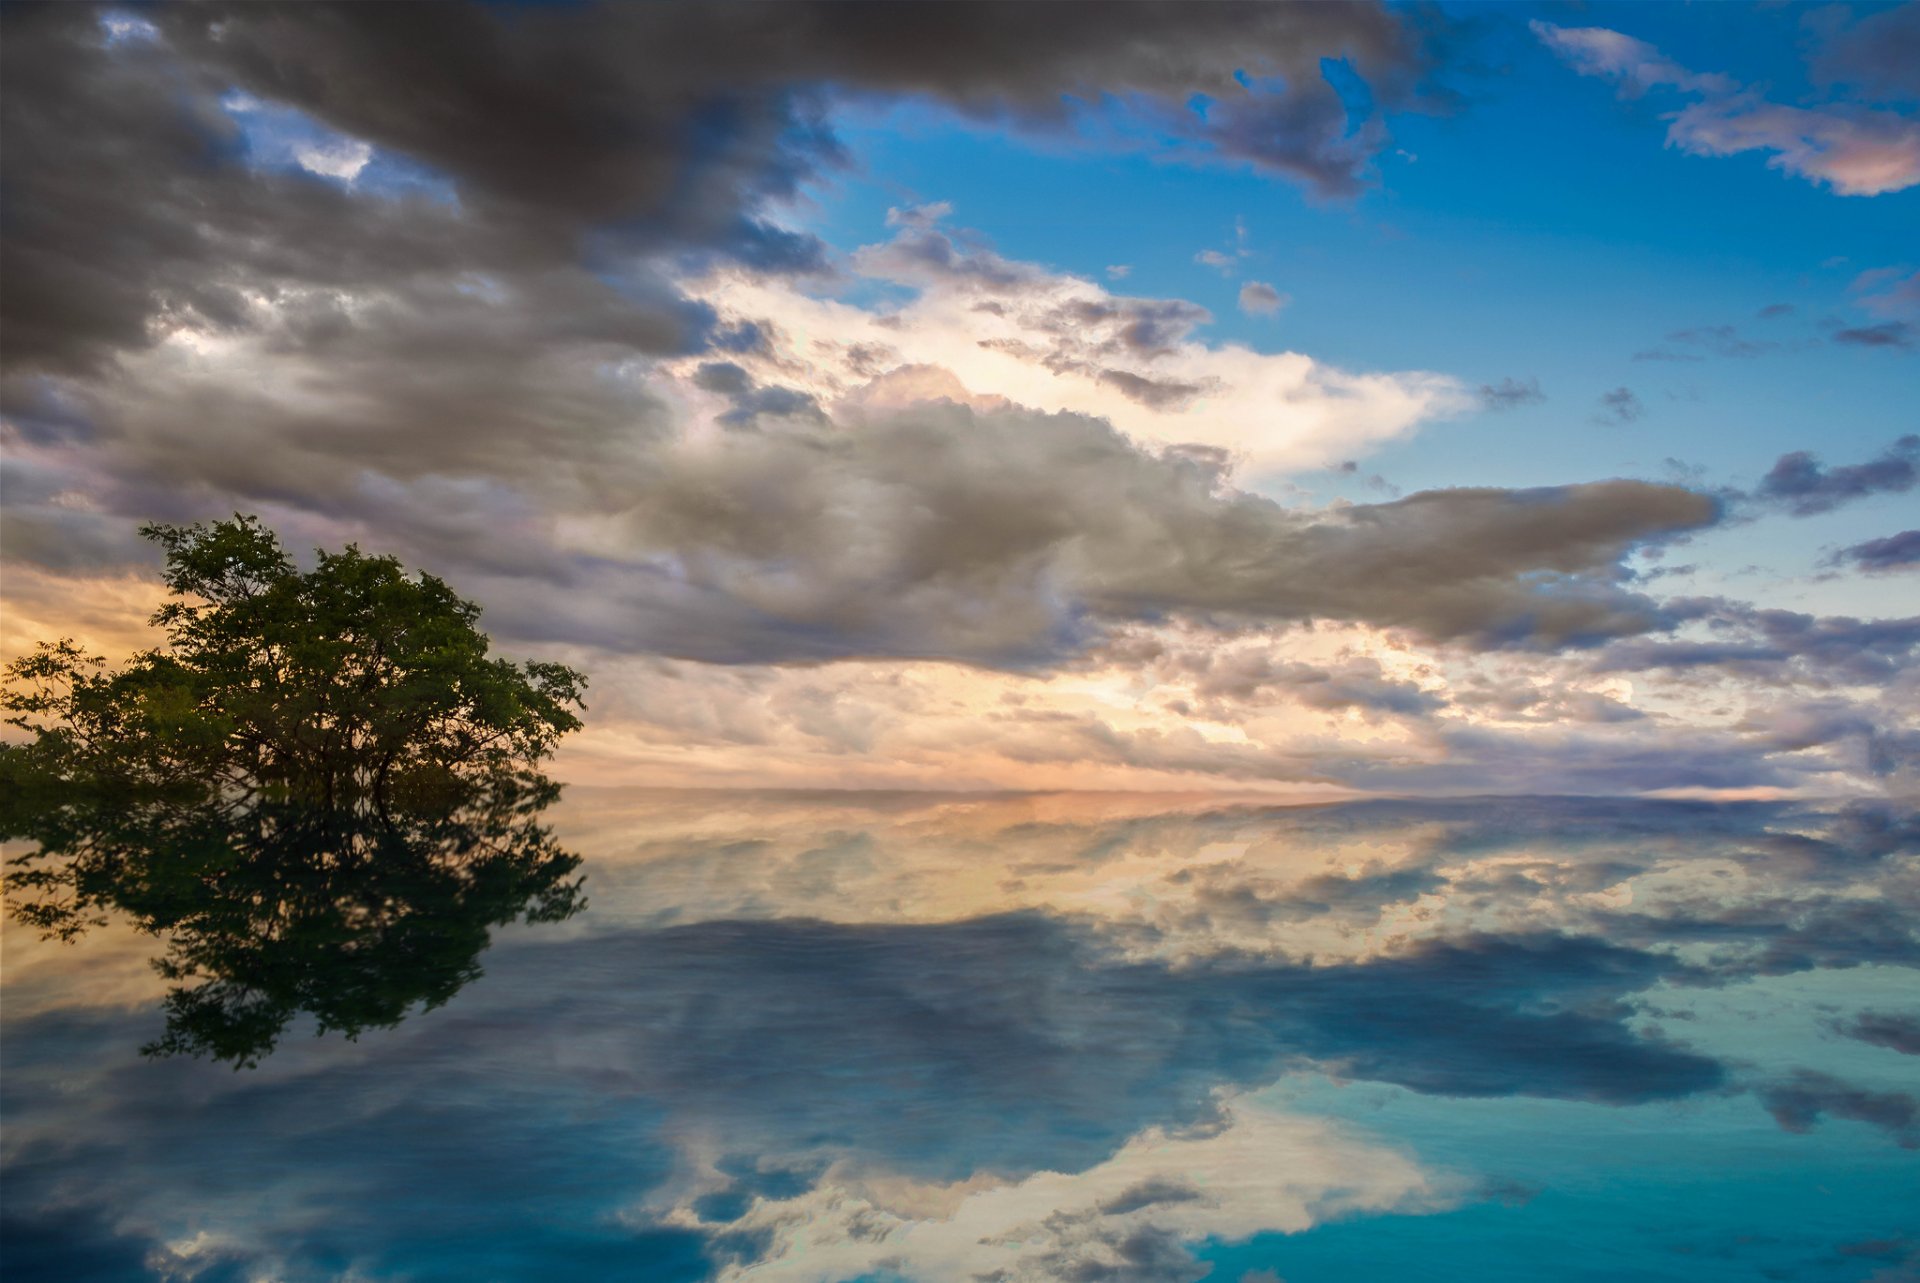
{"type": "Point", "coordinates": [834, 1037]}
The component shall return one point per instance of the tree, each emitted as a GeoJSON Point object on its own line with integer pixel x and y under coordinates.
{"type": "Point", "coordinates": [319, 790]}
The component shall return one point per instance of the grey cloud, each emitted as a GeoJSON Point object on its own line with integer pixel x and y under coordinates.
{"type": "Point", "coordinates": [750, 401]}
{"type": "Point", "coordinates": [1707, 340]}
{"type": "Point", "coordinates": [131, 205]}
{"type": "Point", "coordinates": [1895, 552]}
{"type": "Point", "coordinates": [1619, 406]}
{"type": "Point", "coordinates": [1885, 292]}
{"type": "Point", "coordinates": [1257, 298]}
{"type": "Point", "coordinates": [1511, 393]}
{"type": "Point", "coordinates": [1010, 536]}
{"type": "Point", "coordinates": [1083, 1250]}
{"type": "Point", "coordinates": [1887, 334]}
{"type": "Point", "coordinates": [1526, 701]}
{"type": "Point", "coordinates": [1151, 1193]}
{"type": "Point", "coordinates": [1358, 900]}
{"type": "Point", "coordinates": [1879, 55]}
{"type": "Point", "coordinates": [602, 111]}
{"type": "Point", "coordinates": [1580, 760]}
{"type": "Point", "coordinates": [1799, 483]}
{"type": "Point", "coordinates": [923, 254]}
{"type": "Point", "coordinates": [1800, 1101]}
{"type": "Point", "coordinates": [1356, 683]}
{"type": "Point", "coordinates": [1896, 1031]}
{"type": "Point", "coordinates": [1829, 648]}
{"type": "Point", "coordinates": [565, 140]}
{"type": "Point", "coordinates": [1082, 334]}
{"type": "Point", "coordinates": [1159, 394]}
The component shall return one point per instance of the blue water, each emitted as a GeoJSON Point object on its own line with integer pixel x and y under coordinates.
{"type": "Point", "coordinates": [836, 1037]}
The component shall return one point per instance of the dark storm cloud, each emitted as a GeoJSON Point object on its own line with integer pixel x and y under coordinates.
{"type": "Point", "coordinates": [1803, 486]}
{"type": "Point", "coordinates": [132, 204]}
{"type": "Point", "coordinates": [669, 125]}
{"type": "Point", "coordinates": [570, 136]}
{"type": "Point", "coordinates": [1895, 552]}
{"type": "Point", "coordinates": [605, 112]}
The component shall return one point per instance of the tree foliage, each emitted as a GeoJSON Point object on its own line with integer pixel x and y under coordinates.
{"type": "Point", "coordinates": [319, 790]}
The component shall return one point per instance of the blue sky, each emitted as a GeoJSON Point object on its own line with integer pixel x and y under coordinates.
{"type": "Point", "coordinates": [1318, 399]}
{"type": "Point", "coordinates": [1541, 231]}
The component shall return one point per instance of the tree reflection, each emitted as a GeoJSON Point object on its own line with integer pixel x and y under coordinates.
{"type": "Point", "coordinates": [352, 914]}
{"type": "Point", "coordinates": [322, 793]}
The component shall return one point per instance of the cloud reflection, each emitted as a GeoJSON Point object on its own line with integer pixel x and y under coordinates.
{"type": "Point", "coordinates": [805, 1037]}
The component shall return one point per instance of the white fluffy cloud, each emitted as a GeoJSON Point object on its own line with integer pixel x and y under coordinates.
{"type": "Point", "coordinates": [1054, 341]}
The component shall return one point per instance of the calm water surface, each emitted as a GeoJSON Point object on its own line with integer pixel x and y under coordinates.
{"type": "Point", "coordinates": [819, 1038]}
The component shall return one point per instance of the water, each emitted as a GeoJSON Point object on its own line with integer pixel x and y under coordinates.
{"type": "Point", "coordinates": [837, 1037]}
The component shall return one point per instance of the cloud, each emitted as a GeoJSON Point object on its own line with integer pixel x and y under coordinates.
{"type": "Point", "coordinates": [1706, 340]}
{"type": "Point", "coordinates": [1835, 649]}
{"type": "Point", "coordinates": [1895, 552]}
{"type": "Point", "coordinates": [1257, 298]}
{"type": "Point", "coordinates": [1136, 1218]}
{"type": "Point", "coordinates": [1885, 292]}
{"type": "Point", "coordinates": [339, 160]}
{"type": "Point", "coordinates": [1511, 393]}
{"type": "Point", "coordinates": [1887, 334]}
{"type": "Point", "coordinates": [1857, 151]}
{"type": "Point", "coordinates": [1800, 484]}
{"type": "Point", "coordinates": [1637, 65]}
{"type": "Point", "coordinates": [1012, 537]}
{"type": "Point", "coordinates": [563, 140]}
{"type": "Point", "coordinates": [1896, 1031]}
{"type": "Point", "coordinates": [1056, 341]}
{"type": "Point", "coordinates": [1799, 1102]}
{"type": "Point", "coordinates": [1619, 406]}
{"type": "Point", "coordinates": [1876, 55]}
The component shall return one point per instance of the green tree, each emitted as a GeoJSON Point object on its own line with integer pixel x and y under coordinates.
{"type": "Point", "coordinates": [320, 791]}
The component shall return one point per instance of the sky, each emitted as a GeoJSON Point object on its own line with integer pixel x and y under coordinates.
{"type": "Point", "coordinates": [1316, 400]}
